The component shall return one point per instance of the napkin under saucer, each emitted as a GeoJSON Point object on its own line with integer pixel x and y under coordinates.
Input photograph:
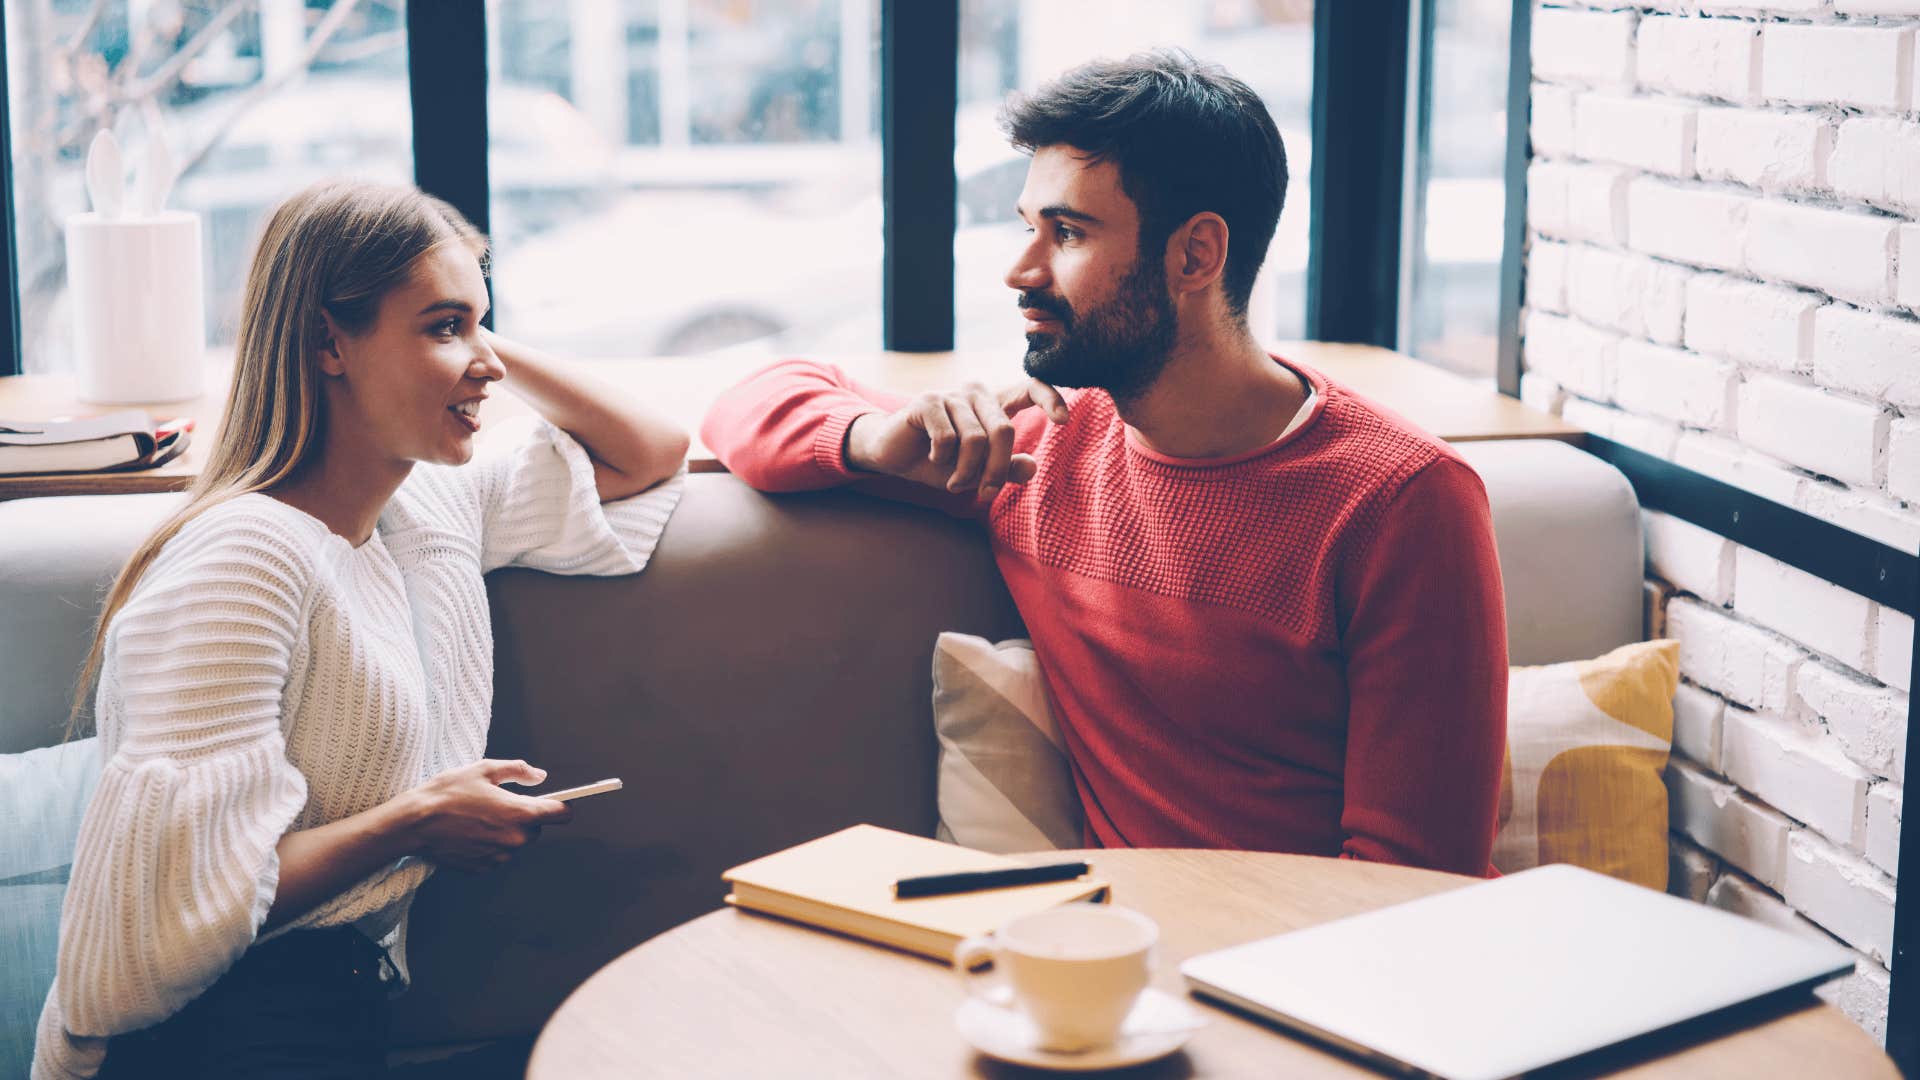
{"type": "Point", "coordinates": [1159, 1024]}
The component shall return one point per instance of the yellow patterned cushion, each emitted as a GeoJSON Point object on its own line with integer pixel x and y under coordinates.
{"type": "Point", "coordinates": [1587, 743]}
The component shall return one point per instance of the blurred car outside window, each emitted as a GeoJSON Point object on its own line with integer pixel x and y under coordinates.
{"type": "Point", "coordinates": [738, 208]}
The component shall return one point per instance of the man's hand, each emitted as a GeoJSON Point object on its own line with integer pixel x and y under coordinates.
{"type": "Point", "coordinates": [961, 440]}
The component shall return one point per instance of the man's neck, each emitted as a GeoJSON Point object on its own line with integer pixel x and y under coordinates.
{"type": "Point", "coordinates": [1220, 395]}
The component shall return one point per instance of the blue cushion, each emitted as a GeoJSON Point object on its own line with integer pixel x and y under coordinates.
{"type": "Point", "coordinates": [43, 794]}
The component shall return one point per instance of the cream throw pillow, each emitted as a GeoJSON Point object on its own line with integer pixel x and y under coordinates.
{"type": "Point", "coordinates": [1587, 744]}
{"type": "Point", "coordinates": [1004, 783]}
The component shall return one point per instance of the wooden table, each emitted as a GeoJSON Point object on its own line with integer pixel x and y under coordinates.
{"type": "Point", "coordinates": [1451, 407]}
{"type": "Point", "coordinates": [734, 994]}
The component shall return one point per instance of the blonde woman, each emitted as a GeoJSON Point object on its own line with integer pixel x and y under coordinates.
{"type": "Point", "coordinates": [295, 672]}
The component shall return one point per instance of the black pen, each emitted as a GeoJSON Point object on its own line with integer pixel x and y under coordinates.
{"type": "Point", "coordinates": [969, 881]}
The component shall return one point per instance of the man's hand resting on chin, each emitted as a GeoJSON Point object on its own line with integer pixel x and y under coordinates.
{"type": "Point", "coordinates": [960, 440]}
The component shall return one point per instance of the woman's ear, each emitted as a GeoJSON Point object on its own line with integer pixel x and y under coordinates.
{"type": "Point", "coordinates": [331, 362]}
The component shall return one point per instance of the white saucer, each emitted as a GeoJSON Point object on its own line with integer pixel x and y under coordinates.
{"type": "Point", "coordinates": [1159, 1024]}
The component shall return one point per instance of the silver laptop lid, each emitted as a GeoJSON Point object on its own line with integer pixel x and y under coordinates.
{"type": "Point", "coordinates": [1494, 979]}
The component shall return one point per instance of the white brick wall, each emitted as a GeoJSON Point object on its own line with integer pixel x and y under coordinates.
{"type": "Point", "coordinates": [1547, 277]}
{"type": "Point", "coordinates": [1742, 663]}
{"type": "Point", "coordinates": [1883, 827]}
{"type": "Point", "coordinates": [1842, 252]}
{"type": "Point", "coordinates": [1903, 459]}
{"type": "Point", "coordinates": [1794, 769]}
{"type": "Point", "coordinates": [1690, 871]}
{"type": "Point", "coordinates": [1578, 356]}
{"type": "Point", "coordinates": [1629, 293]}
{"type": "Point", "coordinates": [1724, 270]}
{"type": "Point", "coordinates": [1771, 151]}
{"type": "Point", "coordinates": [1715, 815]}
{"type": "Point", "coordinates": [1873, 356]}
{"type": "Point", "coordinates": [1597, 203]}
{"type": "Point", "coordinates": [1762, 325]}
{"type": "Point", "coordinates": [1689, 557]}
{"type": "Point", "coordinates": [1869, 719]}
{"type": "Point", "coordinates": [1893, 649]}
{"type": "Point", "coordinates": [1878, 161]}
{"type": "Point", "coordinates": [1868, 513]}
{"type": "Point", "coordinates": [1713, 58]}
{"type": "Point", "coordinates": [1551, 126]}
{"type": "Point", "coordinates": [1686, 224]}
{"type": "Point", "coordinates": [1842, 892]}
{"type": "Point", "coordinates": [1861, 67]}
{"type": "Point", "coordinates": [1674, 384]}
{"type": "Point", "coordinates": [1696, 724]}
{"type": "Point", "coordinates": [1642, 132]}
{"type": "Point", "coordinates": [1586, 47]}
{"type": "Point", "coordinates": [1819, 431]}
{"type": "Point", "coordinates": [1739, 466]}
{"type": "Point", "coordinates": [1908, 288]}
{"type": "Point", "coordinates": [1811, 611]}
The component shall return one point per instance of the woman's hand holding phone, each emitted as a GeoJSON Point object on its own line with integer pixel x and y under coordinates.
{"type": "Point", "coordinates": [464, 818]}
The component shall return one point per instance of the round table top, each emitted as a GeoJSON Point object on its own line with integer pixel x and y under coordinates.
{"type": "Point", "coordinates": [736, 994]}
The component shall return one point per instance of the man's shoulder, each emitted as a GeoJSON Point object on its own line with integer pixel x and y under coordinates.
{"type": "Point", "coordinates": [1374, 449]}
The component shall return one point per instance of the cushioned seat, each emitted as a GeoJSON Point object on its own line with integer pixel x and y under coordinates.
{"type": "Point", "coordinates": [766, 680]}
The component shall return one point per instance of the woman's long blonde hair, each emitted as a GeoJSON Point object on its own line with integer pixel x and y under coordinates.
{"type": "Point", "coordinates": [336, 247]}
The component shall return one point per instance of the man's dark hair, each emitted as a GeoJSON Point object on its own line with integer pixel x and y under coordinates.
{"type": "Point", "coordinates": [1186, 136]}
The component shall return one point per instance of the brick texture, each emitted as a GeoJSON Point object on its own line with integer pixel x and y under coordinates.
{"type": "Point", "coordinates": [1759, 325]}
{"type": "Point", "coordinates": [1724, 270]}
{"type": "Point", "coordinates": [1772, 151]}
{"type": "Point", "coordinates": [1714, 58]}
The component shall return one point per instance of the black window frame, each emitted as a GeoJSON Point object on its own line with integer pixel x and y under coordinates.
{"type": "Point", "coordinates": [1354, 233]}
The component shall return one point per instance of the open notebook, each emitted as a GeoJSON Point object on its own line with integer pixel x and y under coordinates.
{"type": "Point", "coordinates": [844, 882]}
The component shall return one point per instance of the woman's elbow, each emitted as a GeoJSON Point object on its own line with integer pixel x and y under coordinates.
{"type": "Point", "coordinates": [666, 452]}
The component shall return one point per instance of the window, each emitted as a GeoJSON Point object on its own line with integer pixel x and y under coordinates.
{"type": "Point", "coordinates": [1451, 310]}
{"type": "Point", "coordinates": [686, 176]}
{"type": "Point", "coordinates": [1010, 45]}
{"type": "Point", "coordinates": [252, 101]}
{"type": "Point", "coordinates": [664, 176]}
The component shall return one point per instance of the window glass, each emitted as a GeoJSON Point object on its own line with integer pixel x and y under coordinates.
{"type": "Point", "coordinates": [1010, 45]}
{"type": "Point", "coordinates": [253, 101]}
{"type": "Point", "coordinates": [1454, 302]}
{"type": "Point", "coordinates": [686, 176]}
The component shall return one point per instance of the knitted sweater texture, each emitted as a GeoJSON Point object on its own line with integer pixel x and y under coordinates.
{"type": "Point", "coordinates": [267, 676]}
{"type": "Point", "coordinates": [1301, 648]}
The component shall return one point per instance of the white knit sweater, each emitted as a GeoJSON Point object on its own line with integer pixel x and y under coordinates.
{"type": "Point", "coordinates": [267, 676]}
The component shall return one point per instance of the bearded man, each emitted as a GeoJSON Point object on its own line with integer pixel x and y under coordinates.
{"type": "Point", "coordinates": [1267, 610]}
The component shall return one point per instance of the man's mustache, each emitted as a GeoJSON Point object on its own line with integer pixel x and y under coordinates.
{"type": "Point", "coordinates": [1051, 305]}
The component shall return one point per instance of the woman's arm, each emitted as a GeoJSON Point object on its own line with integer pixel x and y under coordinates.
{"type": "Point", "coordinates": [463, 817]}
{"type": "Point", "coordinates": [631, 446]}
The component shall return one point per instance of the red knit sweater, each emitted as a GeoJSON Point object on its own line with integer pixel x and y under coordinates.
{"type": "Point", "coordinates": [1299, 649]}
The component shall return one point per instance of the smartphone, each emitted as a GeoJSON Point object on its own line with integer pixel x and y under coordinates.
{"type": "Point", "coordinates": [581, 792]}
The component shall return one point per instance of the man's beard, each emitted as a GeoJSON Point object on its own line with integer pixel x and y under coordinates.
{"type": "Point", "coordinates": [1120, 346]}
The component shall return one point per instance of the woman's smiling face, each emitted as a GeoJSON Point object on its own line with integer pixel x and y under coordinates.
{"type": "Point", "coordinates": [412, 382]}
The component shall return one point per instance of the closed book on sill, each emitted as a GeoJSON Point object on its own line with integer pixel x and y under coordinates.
{"type": "Point", "coordinates": [844, 882]}
{"type": "Point", "coordinates": [116, 441]}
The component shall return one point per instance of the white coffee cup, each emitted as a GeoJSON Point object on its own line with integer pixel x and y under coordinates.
{"type": "Point", "coordinates": [1075, 970]}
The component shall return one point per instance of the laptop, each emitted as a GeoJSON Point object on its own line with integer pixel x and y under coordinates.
{"type": "Point", "coordinates": [1496, 979]}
